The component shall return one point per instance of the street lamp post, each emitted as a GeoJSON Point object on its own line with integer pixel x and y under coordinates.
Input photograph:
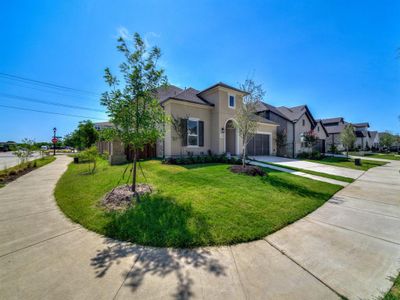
{"type": "Point", "coordinates": [54, 140]}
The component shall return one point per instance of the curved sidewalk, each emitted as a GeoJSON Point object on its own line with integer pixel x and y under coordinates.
{"type": "Point", "coordinates": [350, 247]}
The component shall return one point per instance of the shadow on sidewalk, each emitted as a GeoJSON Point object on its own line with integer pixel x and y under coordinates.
{"type": "Point", "coordinates": [160, 262]}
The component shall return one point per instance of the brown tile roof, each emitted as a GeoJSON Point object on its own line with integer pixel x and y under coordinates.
{"type": "Point", "coordinates": [262, 106]}
{"type": "Point", "coordinates": [358, 125]}
{"type": "Point", "coordinates": [174, 93]}
{"type": "Point", "coordinates": [293, 113]}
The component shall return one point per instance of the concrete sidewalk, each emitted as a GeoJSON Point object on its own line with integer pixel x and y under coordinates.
{"type": "Point", "coordinates": [348, 247]}
{"type": "Point", "coordinates": [312, 166]}
{"type": "Point", "coordinates": [299, 173]}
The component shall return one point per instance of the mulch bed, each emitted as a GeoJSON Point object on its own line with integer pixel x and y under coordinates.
{"type": "Point", "coordinates": [13, 175]}
{"type": "Point", "coordinates": [248, 170]}
{"type": "Point", "coordinates": [122, 197]}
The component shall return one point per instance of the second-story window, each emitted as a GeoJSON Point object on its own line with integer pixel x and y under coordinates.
{"type": "Point", "coordinates": [318, 128]}
{"type": "Point", "coordinates": [231, 101]}
{"type": "Point", "coordinates": [304, 122]}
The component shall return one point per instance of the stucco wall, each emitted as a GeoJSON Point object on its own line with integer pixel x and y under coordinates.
{"type": "Point", "coordinates": [173, 144]}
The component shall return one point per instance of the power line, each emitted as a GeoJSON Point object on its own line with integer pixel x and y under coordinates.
{"type": "Point", "coordinates": [56, 92]}
{"type": "Point", "coordinates": [43, 83]}
{"type": "Point", "coordinates": [48, 102]}
{"type": "Point", "coordinates": [48, 112]}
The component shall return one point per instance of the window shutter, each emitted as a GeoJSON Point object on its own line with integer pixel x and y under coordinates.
{"type": "Point", "coordinates": [201, 133]}
{"type": "Point", "coordinates": [185, 137]}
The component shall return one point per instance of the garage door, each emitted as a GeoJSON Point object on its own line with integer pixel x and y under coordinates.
{"type": "Point", "coordinates": [259, 145]}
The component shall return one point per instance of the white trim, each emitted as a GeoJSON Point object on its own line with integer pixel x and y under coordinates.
{"type": "Point", "coordinates": [234, 101]}
{"type": "Point", "coordinates": [187, 136]}
{"type": "Point", "coordinates": [237, 150]}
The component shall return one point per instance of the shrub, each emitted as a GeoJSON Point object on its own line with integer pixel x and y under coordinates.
{"type": "Point", "coordinates": [12, 173]}
{"type": "Point", "coordinates": [201, 159]}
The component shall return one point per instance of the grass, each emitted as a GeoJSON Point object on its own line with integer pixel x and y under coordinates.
{"type": "Point", "coordinates": [336, 177]}
{"type": "Point", "coordinates": [390, 156]}
{"type": "Point", "coordinates": [193, 205]}
{"type": "Point", "coordinates": [394, 293]}
{"type": "Point", "coordinates": [23, 168]}
{"type": "Point", "coordinates": [348, 163]}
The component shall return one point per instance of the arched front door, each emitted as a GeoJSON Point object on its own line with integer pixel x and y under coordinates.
{"type": "Point", "coordinates": [230, 136]}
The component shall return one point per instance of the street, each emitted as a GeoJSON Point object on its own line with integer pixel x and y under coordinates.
{"type": "Point", "coordinates": [8, 159]}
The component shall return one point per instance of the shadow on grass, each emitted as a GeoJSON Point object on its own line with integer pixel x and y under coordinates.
{"type": "Point", "coordinates": [200, 165]}
{"type": "Point", "coordinates": [158, 221]}
{"type": "Point", "coordinates": [284, 185]}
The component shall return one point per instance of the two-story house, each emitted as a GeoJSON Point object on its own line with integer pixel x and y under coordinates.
{"type": "Point", "coordinates": [294, 122]}
{"type": "Point", "coordinates": [208, 117]}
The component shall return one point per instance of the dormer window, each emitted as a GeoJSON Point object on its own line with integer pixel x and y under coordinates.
{"type": "Point", "coordinates": [231, 101]}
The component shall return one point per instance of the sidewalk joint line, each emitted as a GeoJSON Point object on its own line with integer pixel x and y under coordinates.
{"type": "Point", "coordinates": [306, 270]}
{"type": "Point", "coordinates": [37, 243]}
{"type": "Point", "coordinates": [237, 271]}
{"type": "Point", "coordinates": [27, 215]}
{"type": "Point", "coordinates": [127, 274]}
{"type": "Point", "coordinates": [362, 210]}
{"type": "Point", "coordinates": [312, 220]}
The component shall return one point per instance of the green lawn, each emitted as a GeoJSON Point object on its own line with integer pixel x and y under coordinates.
{"type": "Point", "coordinates": [193, 205]}
{"type": "Point", "coordinates": [336, 177]}
{"type": "Point", "coordinates": [394, 293]}
{"type": "Point", "coordinates": [348, 163]}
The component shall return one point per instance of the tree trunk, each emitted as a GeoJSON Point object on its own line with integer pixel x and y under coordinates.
{"type": "Point", "coordinates": [134, 171]}
{"type": "Point", "coordinates": [243, 156]}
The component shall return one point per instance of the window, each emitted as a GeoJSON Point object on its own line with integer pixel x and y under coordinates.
{"type": "Point", "coordinates": [193, 132]}
{"type": "Point", "coordinates": [304, 122]}
{"type": "Point", "coordinates": [318, 128]}
{"type": "Point", "coordinates": [231, 100]}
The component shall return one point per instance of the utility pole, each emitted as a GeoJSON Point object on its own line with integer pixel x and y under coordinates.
{"type": "Point", "coordinates": [54, 140]}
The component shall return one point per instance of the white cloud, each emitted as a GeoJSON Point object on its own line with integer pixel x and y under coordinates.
{"type": "Point", "coordinates": [124, 33]}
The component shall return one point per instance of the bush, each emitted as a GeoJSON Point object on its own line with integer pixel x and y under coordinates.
{"type": "Point", "coordinates": [12, 173]}
{"type": "Point", "coordinates": [90, 155]}
{"type": "Point", "coordinates": [202, 159]}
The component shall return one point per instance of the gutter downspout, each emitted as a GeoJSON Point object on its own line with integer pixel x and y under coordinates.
{"type": "Point", "coordinates": [294, 138]}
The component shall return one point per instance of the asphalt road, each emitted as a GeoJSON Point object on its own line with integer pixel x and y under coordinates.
{"type": "Point", "coordinates": [8, 159]}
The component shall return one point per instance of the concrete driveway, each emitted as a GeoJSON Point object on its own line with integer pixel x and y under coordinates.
{"type": "Point", "coordinates": [312, 166]}
{"type": "Point", "coordinates": [350, 247]}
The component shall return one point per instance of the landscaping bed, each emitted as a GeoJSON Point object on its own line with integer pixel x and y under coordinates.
{"type": "Point", "coordinates": [191, 205]}
{"type": "Point", "coordinates": [13, 173]}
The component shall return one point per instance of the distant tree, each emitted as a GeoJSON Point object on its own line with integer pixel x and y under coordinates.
{"type": "Point", "coordinates": [348, 138]}
{"type": "Point", "coordinates": [83, 137]}
{"type": "Point", "coordinates": [387, 139]}
{"type": "Point", "coordinates": [132, 106]}
{"type": "Point", "coordinates": [246, 119]}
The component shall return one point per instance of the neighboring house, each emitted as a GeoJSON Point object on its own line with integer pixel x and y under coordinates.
{"type": "Point", "coordinates": [209, 117]}
{"type": "Point", "coordinates": [362, 136]}
{"type": "Point", "coordinates": [374, 139]}
{"type": "Point", "coordinates": [334, 127]}
{"type": "Point", "coordinates": [293, 123]}
{"type": "Point", "coordinates": [364, 139]}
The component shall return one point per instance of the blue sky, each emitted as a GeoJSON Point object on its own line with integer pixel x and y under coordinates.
{"type": "Point", "coordinates": [338, 57]}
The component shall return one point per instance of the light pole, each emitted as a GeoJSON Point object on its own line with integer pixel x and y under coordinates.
{"type": "Point", "coordinates": [54, 140]}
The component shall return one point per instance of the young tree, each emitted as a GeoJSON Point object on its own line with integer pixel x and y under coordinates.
{"type": "Point", "coordinates": [281, 142]}
{"type": "Point", "coordinates": [387, 139]}
{"type": "Point", "coordinates": [25, 150]}
{"type": "Point", "coordinates": [180, 127]}
{"type": "Point", "coordinates": [310, 139]}
{"type": "Point", "coordinates": [132, 107]}
{"type": "Point", "coordinates": [348, 138]}
{"type": "Point", "coordinates": [246, 119]}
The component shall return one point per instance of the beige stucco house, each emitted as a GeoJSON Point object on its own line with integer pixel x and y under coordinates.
{"type": "Point", "coordinates": [208, 117]}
